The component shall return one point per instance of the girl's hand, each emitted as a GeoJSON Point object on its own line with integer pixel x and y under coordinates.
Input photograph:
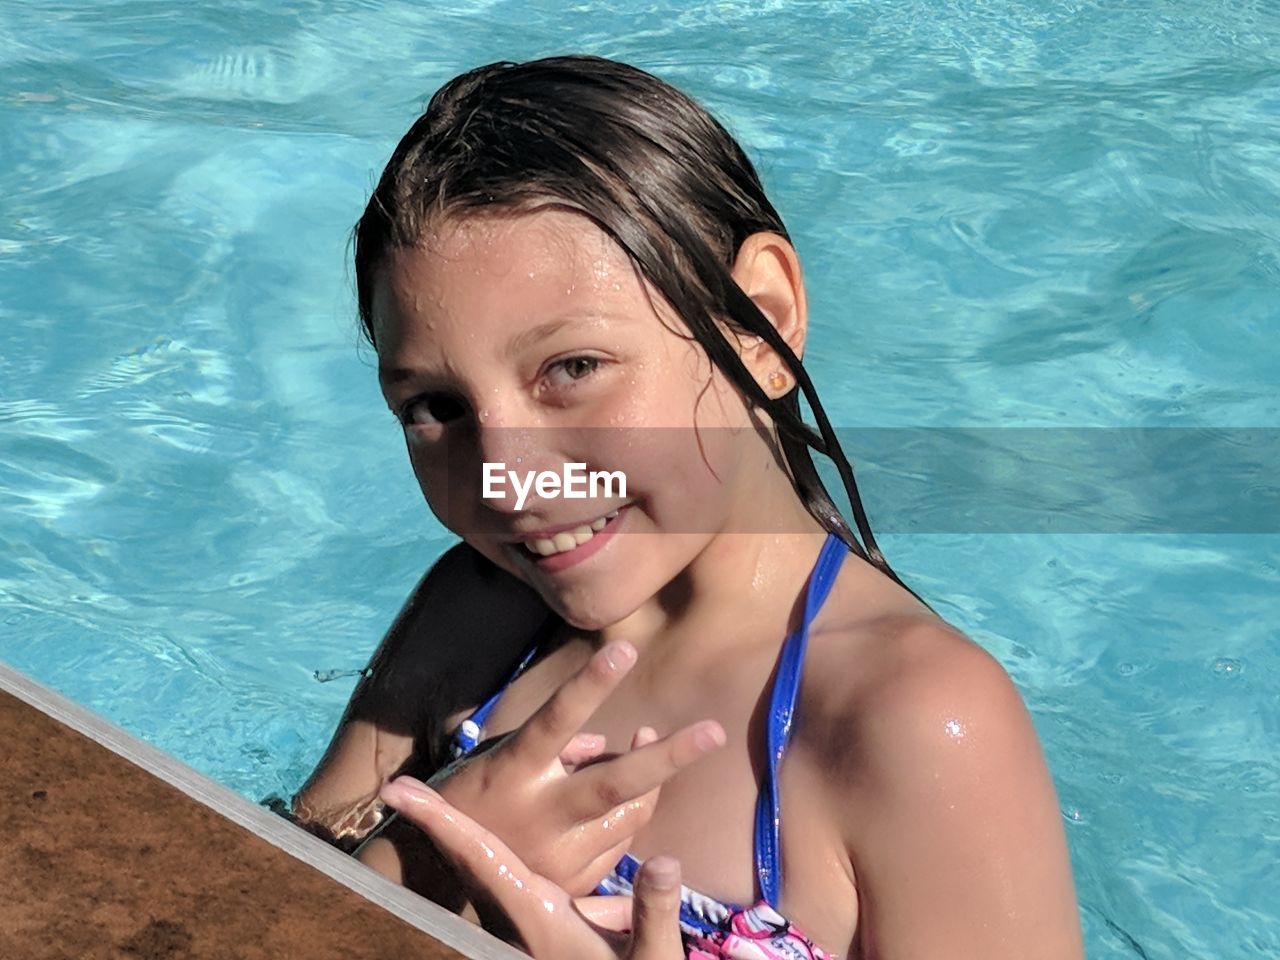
{"type": "Point", "coordinates": [567, 818]}
{"type": "Point", "coordinates": [551, 924]}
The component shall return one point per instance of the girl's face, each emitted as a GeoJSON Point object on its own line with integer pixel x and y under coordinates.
{"type": "Point", "coordinates": [528, 340]}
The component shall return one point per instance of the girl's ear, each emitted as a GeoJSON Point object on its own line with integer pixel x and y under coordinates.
{"type": "Point", "coordinates": [768, 271]}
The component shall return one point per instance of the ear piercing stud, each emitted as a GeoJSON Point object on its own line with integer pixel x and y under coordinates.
{"type": "Point", "coordinates": [777, 380]}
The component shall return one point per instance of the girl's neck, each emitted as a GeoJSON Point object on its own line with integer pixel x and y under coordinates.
{"type": "Point", "coordinates": [738, 583]}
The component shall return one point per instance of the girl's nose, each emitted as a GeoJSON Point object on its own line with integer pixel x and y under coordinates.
{"type": "Point", "coordinates": [502, 435]}
{"type": "Point", "coordinates": [504, 447]}
{"type": "Point", "coordinates": [512, 446]}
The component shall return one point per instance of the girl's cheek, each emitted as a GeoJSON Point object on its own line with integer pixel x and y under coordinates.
{"type": "Point", "coordinates": [433, 481]}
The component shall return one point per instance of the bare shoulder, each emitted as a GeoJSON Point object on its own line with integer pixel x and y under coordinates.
{"type": "Point", "coordinates": [939, 787]}
{"type": "Point", "coordinates": [904, 679]}
{"type": "Point", "coordinates": [931, 676]}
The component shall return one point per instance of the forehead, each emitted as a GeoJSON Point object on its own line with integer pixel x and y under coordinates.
{"type": "Point", "coordinates": [502, 262]}
{"type": "Point", "coordinates": [544, 236]}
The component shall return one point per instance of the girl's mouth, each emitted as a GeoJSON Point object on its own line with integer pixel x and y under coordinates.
{"type": "Point", "coordinates": [569, 547]}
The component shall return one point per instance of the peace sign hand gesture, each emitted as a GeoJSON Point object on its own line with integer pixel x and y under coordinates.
{"type": "Point", "coordinates": [537, 790]}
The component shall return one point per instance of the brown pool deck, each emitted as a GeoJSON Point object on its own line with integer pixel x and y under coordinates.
{"type": "Point", "coordinates": [115, 850]}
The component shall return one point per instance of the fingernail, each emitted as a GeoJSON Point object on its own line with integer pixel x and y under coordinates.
{"type": "Point", "coordinates": [710, 737]}
{"type": "Point", "coordinates": [620, 655]}
{"type": "Point", "coordinates": [662, 873]}
{"type": "Point", "coordinates": [592, 741]}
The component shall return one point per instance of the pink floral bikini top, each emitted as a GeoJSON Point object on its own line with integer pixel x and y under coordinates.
{"type": "Point", "coordinates": [712, 929]}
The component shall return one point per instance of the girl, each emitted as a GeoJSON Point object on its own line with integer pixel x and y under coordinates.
{"type": "Point", "coordinates": [569, 262]}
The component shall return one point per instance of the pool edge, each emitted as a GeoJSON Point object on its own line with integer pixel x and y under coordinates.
{"type": "Point", "coordinates": [427, 917]}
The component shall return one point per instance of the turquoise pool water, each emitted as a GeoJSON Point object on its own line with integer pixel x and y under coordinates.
{"type": "Point", "coordinates": [1040, 215]}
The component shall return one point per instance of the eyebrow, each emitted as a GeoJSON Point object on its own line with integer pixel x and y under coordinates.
{"type": "Point", "coordinates": [390, 375]}
{"type": "Point", "coordinates": [527, 338]}
{"type": "Point", "coordinates": [516, 345]}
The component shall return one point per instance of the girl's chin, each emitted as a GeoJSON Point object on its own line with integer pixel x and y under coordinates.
{"type": "Point", "coordinates": [592, 610]}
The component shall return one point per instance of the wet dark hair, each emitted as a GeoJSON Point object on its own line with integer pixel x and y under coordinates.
{"type": "Point", "coordinates": [654, 171]}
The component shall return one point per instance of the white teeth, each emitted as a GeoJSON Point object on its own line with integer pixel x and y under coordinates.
{"type": "Point", "coordinates": [568, 539]}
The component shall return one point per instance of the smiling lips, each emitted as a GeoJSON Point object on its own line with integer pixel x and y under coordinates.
{"type": "Point", "coordinates": [567, 540]}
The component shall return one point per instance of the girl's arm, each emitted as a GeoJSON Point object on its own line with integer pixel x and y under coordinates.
{"type": "Point", "coordinates": [437, 658]}
{"type": "Point", "coordinates": [955, 833]}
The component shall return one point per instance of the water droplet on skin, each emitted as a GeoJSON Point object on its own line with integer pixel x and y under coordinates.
{"type": "Point", "coordinates": [955, 729]}
{"type": "Point", "coordinates": [608, 823]}
{"type": "Point", "coordinates": [1227, 667]}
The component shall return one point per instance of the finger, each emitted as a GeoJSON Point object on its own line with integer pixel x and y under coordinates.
{"type": "Point", "coordinates": [589, 877]}
{"type": "Point", "coordinates": [582, 748]}
{"type": "Point", "coordinates": [656, 920]}
{"type": "Point", "coordinates": [607, 912]}
{"type": "Point", "coordinates": [612, 784]}
{"type": "Point", "coordinates": [485, 860]}
{"type": "Point", "coordinates": [545, 734]}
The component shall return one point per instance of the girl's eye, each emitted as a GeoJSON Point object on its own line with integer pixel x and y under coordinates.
{"type": "Point", "coordinates": [566, 371]}
{"type": "Point", "coordinates": [430, 410]}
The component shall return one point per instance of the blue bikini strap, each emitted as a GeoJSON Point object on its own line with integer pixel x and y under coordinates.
{"type": "Point", "coordinates": [470, 730]}
{"type": "Point", "coordinates": [782, 706]}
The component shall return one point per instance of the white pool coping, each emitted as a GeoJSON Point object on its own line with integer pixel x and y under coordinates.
{"type": "Point", "coordinates": [431, 919]}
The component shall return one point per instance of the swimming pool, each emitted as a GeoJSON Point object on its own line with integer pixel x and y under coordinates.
{"type": "Point", "coordinates": [1050, 216]}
